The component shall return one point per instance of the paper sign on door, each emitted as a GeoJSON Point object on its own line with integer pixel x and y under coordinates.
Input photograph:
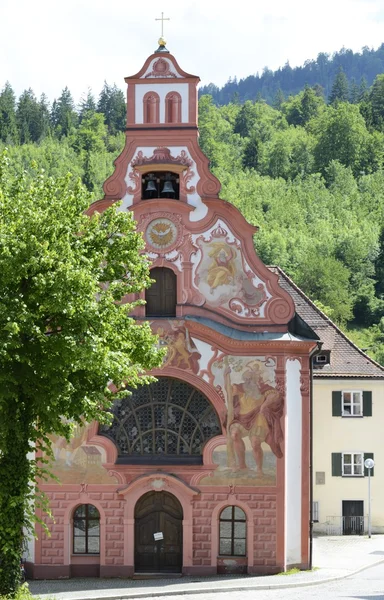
{"type": "Point", "coordinates": [158, 536]}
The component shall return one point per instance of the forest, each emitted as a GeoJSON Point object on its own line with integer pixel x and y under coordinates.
{"type": "Point", "coordinates": [360, 69]}
{"type": "Point", "coordinates": [308, 171]}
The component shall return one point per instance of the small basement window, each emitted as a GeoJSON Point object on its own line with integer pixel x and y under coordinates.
{"type": "Point", "coordinates": [160, 184]}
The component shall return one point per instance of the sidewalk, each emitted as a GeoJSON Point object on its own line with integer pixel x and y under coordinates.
{"type": "Point", "coordinates": [333, 557]}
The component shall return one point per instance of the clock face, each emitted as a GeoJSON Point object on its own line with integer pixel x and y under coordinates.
{"type": "Point", "coordinates": [161, 234]}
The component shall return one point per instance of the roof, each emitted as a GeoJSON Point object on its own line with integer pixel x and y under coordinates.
{"type": "Point", "coordinates": [237, 334]}
{"type": "Point", "coordinates": [346, 359]}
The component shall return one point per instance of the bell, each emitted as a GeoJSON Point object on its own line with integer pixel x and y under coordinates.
{"type": "Point", "coordinates": [151, 187]}
{"type": "Point", "coordinates": [168, 189]}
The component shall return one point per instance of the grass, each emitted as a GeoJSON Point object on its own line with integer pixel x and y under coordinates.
{"type": "Point", "coordinates": [296, 570]}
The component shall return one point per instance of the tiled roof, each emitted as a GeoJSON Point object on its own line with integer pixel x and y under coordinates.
{"type": "Point", "coordinates": [346, 359]}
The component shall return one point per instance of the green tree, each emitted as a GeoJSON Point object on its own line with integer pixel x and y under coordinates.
{"type": "Point", "coordinates": [64, 116]}
{"type": "Point", "coordinates": [278, 99]}
{"type": "Point", "coordinates": [45, 116]}
{"type": "Point", "coordinates": [89, 142]}
{"type": "Point", "coordinates": [341, 134]}
{"type": "Point", "coordinates": [340, 88]}
{"type": "Point", "coordinates": [112, 104]}
{"type": "Point", "coordinates": [8, 127]}
{"type": "Point", "coordinates": [66, 338]}
{"type": "Point", "coordinates": [300, 109]}
{"type": "Point", "coordinates": [87, 104]}
{"type": "Point", "coordinates": [354, 92]}
{"type": "Point", "coordinates": [376, 97]}
{"type": "Point", "coordinates": [28, 118]}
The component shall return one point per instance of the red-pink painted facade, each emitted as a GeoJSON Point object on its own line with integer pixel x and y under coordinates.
{"type": "Point", "coordinates": [231, 340]}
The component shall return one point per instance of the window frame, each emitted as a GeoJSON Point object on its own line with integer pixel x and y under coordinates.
{"type": "Point", "coordinates": [352, 464]}
{"type": "Point", "coordinates": [352, 403]}
{"type": "Point", "coordinates": [315, 511]}
{"type": "Point", "coordinates": [233, 520]}
{"type": "Point", "coordinates": [87, 518]}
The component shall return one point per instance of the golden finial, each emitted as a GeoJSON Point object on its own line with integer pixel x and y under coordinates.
{"type": "Point", "coordinates": [162, 41]}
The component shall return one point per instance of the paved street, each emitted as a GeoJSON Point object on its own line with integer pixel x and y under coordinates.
{"type": "Point", "coordinates": [337, 560]}
{"type": "Point", "coordinates": [368, 585]}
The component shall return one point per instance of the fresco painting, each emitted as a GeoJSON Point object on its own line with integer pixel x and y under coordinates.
{"type": "Point", "coordinates": [181, 349]}
{"type": "Point", "coordinates": [253, 422]}
{"type": "Point", "coordinates": [78, 462]}
{"type": "Point", "coordinates": [223, 276]}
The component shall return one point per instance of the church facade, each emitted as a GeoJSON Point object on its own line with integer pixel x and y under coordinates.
{"type": "Point", "coordinates": [207, 470]}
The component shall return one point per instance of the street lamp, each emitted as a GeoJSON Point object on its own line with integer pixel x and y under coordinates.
{"type": "Point", "coordinates": [369, 463]}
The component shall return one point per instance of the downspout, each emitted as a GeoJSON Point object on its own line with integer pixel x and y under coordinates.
{"type": "Point", "coordinates": [315, 351]}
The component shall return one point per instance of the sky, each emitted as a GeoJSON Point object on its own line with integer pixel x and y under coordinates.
{"type": "Point", "coordinates": [47, 44]}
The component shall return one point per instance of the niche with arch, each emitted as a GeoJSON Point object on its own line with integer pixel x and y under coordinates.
{"type": "Point", "coordinates": [160, 184]}
{"type": "Point", "coordinates": [151, 108]}
{"type": "Point", "coordinates": [173, 108]}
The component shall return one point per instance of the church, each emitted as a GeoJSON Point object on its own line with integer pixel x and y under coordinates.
{"type": "Point", "coordinates": [207, 470]}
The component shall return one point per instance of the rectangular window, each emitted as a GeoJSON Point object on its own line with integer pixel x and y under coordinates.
{"type": "Point", "coordinates": [315, 512]}
{"type": "Point", "coordinates": [353, 464]}
{"type": "Point", "coordinates": [352, 404]}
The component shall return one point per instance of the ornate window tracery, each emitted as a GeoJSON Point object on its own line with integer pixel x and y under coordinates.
{"type": "Point", "coordinates": [166, 422]}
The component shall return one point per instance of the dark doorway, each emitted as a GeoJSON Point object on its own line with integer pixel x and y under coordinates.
{"type": "Point", "coordinates": [353, 517]}
{"type": "Point", "coordinates": [161, 296]}
{"type": "Point", "coordinates": [161, 513]}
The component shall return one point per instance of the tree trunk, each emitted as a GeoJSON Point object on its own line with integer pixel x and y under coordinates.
{"type": "Point", "coordinates": [15, 477]}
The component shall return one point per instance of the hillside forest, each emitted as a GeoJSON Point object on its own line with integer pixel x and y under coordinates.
{"type": "Point", "coordinates": [308, 171]}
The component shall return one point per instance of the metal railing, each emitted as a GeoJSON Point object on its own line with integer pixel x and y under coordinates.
{"type": "Point", "coordinates": [345, 525]}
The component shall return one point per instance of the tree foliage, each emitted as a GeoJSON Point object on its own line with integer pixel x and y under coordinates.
{"type": "Point", "coordinates": [68, 347]}
{"type": "Point", "coordinates": [319, 73]}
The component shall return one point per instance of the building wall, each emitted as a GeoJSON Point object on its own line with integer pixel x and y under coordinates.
{"type": "Point", "coordinates": [347, 434]}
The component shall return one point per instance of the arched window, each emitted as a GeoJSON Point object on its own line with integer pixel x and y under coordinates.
{"type": "Point", "coordinates": [173, 107]}
{"type": "Point", "coordinates": [86, 530]}
{"type": "Point", "coordinates": [151, 103]}
{"type": "Point", "coordinates": [161, 297]}
{"type": "Point", "coordinates": [233, 531]}
{"type": "Point", "coordinates": [166, 422]}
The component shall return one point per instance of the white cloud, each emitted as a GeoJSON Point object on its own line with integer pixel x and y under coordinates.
{"type": "Point", "coordinates": [48, 45]}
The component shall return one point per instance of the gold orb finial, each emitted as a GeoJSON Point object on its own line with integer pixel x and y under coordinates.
{"type": "Point", "coordinates": [162, 42]}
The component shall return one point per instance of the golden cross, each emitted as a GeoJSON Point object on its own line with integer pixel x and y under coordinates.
{"type": "Point", "coordinates": [162, 19]}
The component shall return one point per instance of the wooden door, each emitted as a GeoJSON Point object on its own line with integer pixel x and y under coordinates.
{"type": "Point", "coordinates": [161, 296]}
{"type": "Point", "coordinates": [158, 512]}
{"type": "Point", "coordinates": [353, 517]}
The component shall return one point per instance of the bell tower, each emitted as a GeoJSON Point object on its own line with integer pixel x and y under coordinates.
{"type": "Point", "coordinates": [162, 159]}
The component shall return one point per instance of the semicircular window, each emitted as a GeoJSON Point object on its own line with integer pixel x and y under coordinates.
{"type": "Point", "coordinates": [166, 422]}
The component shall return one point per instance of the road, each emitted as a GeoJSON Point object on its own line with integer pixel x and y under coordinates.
{"type": "Point", "coordinates": [367, 585]}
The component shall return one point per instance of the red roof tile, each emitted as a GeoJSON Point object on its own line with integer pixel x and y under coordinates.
{"type": "Point", "coordinates": [346, 359]}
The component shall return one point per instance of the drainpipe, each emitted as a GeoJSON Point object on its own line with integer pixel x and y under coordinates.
{"type": "Point", "coordinates": [315, 351]}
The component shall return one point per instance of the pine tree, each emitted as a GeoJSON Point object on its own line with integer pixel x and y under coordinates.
{"type": "Point", "coordinates": [340, 88]}
{"type": "Point", "coordinates": [64, 116]}
{"type": "Point", "coordinates": [363, 90]}
{"type": "Point", "coordinates": [354, 92]}
{"type": "Point", "coordinates": [309, 104]}
{"type": "Point", "coordinates": [278, 99]}
{"type": "Point", "coordinates": [112, 104]}
{"type": "Point", "coordinates": [376, 98]}
{"type": "Point", "coordinates": [45, 116]}
{"type": "Point", "coordinates": [8, 127]}
{"type": "Point", "coordinates": [28, 118]}
{"type": "Point", "coordinates": [87, 104]}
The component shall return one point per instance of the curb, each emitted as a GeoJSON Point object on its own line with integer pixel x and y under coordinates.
{"type": "Point", "coordinates": [185, 592]}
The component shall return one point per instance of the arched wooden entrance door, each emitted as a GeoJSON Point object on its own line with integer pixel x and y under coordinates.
{"type": "Point", "coordinates": [158, 513]}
